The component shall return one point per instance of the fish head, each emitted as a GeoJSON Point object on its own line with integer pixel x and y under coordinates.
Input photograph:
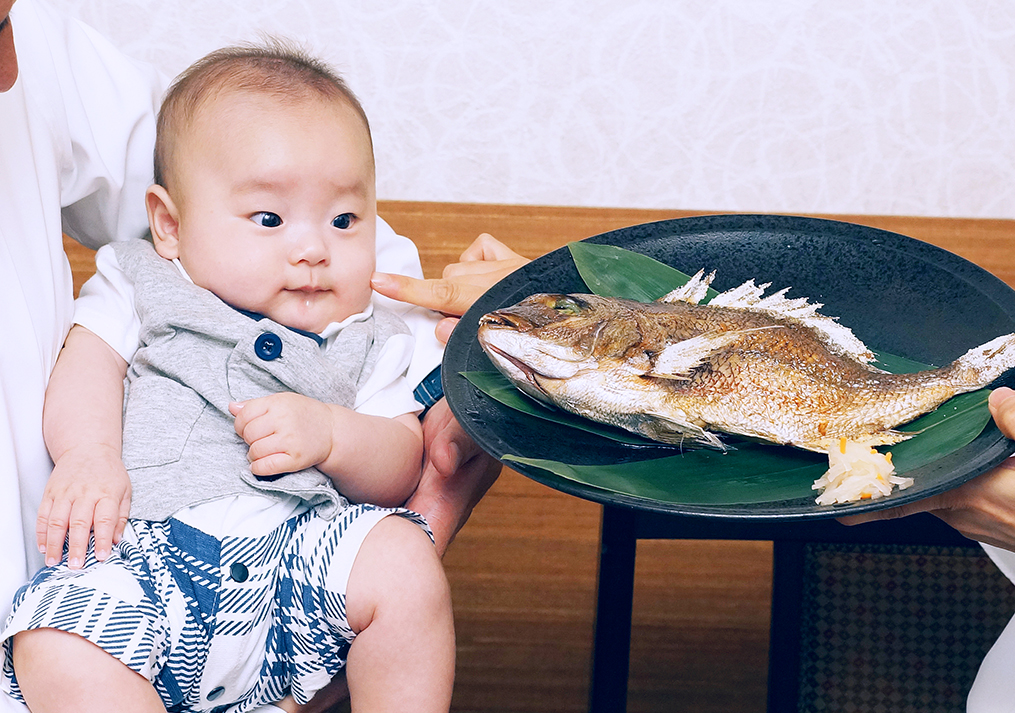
{"type": "Point", "coordinates": [547, 341]}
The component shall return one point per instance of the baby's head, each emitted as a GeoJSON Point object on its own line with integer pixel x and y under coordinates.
{"type": "Point", "coordinates": [264, 185]}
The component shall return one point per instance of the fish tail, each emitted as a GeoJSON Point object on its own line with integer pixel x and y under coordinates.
{"type": "Point", "coordinates": [981, 365]}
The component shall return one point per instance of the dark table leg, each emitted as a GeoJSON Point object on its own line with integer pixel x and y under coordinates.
{"type": "Point", "coordinates": [612, 645]}
{"type": "Point", "coordinates": [784, 632]}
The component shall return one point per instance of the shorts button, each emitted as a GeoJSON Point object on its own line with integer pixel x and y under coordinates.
{"type": "Point", "coordinates": [238, 571]}
{"type": "Point", "coordinates": [268, 346]}
{"type": "Point", "coordinates": [216, 693]}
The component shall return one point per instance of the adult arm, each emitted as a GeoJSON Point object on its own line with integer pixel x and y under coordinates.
{"type": "Point", "coordinates": [110, 102]}
{"type": "Point", "coordinates": [982, 509]}
{"type": "Point", "coordinates": [456, 475]}
{"type": "Point", "coordinates": [456, 471]}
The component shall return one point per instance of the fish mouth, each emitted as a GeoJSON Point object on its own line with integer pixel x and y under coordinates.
{"type": "Point", "coordinates": [530, 374]}
{"type": "Point", "coordinates": [505, 320]}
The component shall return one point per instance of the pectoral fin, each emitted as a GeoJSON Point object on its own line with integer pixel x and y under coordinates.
{"type": "Point", "coordinates": [678, 360]}
{"type": "Point", "coordinates": [670, 429]}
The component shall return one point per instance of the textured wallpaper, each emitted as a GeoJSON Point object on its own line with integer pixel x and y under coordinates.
{"type": "Point", "coordinates": [860, 106]}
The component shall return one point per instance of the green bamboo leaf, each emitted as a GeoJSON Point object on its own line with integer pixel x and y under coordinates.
{"type": "Point", "coordinates": [757, 473]}
{"type": "Point", "coordinates": [497, 387]}
{"type": "Point", "coordinates": [752, 474]}
{"type": "Point", "coordinates": [615, 272]}
{"type": "Point", "coordinates": [897, 364]}
{"type": "Point", "coordinates": [953, 425]}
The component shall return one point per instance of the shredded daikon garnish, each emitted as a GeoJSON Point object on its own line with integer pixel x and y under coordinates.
{"type": "Point", "coordinates": [857, 472]}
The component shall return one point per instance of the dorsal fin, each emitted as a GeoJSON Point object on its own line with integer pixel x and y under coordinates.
{"type": "Point", "coordinates": [693, 291]}
{"type": "Point", "coordinates": [840, 339]}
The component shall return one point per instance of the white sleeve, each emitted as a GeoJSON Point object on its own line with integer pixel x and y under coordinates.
{"type": "Point", "coordinates": [398, 255]}
{"type": "Point", "coordinates": [106, 305]}
{"type": "Point", "coordinates": [387, 392]}
{"type": "Point", "coordinates": [108, 103]}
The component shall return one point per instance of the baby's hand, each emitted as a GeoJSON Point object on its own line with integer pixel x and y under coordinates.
{"type": "Point", "coordinates": [88, 490]}
{"type": "Point", "coordinates": [286, 432]}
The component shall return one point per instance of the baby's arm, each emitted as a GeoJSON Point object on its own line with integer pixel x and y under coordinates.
{"type": "Point", "coordinates": [82, 422]}
{"type": "Point", "coordinates": [371, 458]}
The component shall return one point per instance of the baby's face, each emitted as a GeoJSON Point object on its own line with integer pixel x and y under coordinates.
{"type": "Point", "coordinates": [277, 210]}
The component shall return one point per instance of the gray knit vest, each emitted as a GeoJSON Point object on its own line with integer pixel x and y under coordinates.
{"type": "Point", "coordinates": [196, 355]}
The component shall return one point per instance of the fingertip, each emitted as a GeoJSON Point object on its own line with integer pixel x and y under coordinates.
{"type": "Point", "coordinates": [999, 396]}
{"type": "Point", "coordinates": [382, 281]}
{"type": "Point", "coordinates": [235, 407]}
{"type": "Point", "coordinates": [444, 329]}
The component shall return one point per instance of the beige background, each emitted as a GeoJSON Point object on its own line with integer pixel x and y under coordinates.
{"type": "Point", "coordinates": [860, 106]}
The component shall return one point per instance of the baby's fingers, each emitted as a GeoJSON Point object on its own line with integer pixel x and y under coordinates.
{"type": "Point", "coordinates": [247, 419]}
{"type": "Point", "coordinates": [273, 464]}
{"type": "Point", "coordinates": [51, 525]}
{"type": "Point", "coordinates": [78, 531]}
{"type": "Point", "coordinates": [42, 525]}
{"type": "Point", "coordinates": [107, 530]}
{"type": "Point", "coordinates": [121, 522]}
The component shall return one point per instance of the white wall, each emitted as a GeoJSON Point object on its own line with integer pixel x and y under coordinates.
{"type": "Point", "coordinates": [842, 106]}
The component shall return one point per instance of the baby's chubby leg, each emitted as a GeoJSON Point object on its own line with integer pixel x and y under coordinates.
{"type": "Point", "coordinates": [399, 605]}
{"type": "Point", "coordinates": [60, 671]}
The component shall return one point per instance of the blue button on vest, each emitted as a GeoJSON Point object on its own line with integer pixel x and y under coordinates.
{"type": "Point", "coordinates": [268, 346]}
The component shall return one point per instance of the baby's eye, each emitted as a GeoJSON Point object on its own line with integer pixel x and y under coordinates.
{"type": "Point", "coordinates": [344, 221]}
{"type": "Point", "coordinates": [266, 219]}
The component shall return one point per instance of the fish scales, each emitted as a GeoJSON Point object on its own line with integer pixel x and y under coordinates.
{"type": "Point", "coordinates": [678, 371]}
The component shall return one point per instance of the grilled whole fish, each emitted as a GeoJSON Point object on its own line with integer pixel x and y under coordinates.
{"type": "Point", "coordinates": [677, 371]}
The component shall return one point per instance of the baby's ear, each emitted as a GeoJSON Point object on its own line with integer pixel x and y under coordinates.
{"type": "Point", "coordinates": [164, 221]}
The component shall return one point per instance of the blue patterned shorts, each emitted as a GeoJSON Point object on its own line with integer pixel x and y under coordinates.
{"type": "Point", "coordinates": [215, 625]}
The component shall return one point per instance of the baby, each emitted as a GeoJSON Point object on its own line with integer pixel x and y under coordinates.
{"type": "Point", "coordinates": [266, 407]}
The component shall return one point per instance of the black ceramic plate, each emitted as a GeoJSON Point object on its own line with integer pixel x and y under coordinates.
{"type": "Point", "coordinates": [897, 294]}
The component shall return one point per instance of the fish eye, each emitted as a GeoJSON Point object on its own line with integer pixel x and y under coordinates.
{"type": "Point", "coordinates": [344, 221]}
{"type": "Point", "coordinates": [266, 219]}
{"type": "Point", "coordinates": [567, 305]}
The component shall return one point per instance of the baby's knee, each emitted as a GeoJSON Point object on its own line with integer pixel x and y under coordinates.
{"type": "Point", "coordinates": [58, 670]}
{"type": "Point", "coordinates": [404, 551]}
{"type": "Point", "coordinates": [36, 650]}
{"type": "Point", "coordinates": [398, 567]}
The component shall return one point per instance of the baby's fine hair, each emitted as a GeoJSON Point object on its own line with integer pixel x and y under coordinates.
{"type": "Point", "coordinates": [274, 67]}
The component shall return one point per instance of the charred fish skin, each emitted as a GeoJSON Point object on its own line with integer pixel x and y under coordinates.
{"type": "Point", "coordinates": [677, 371]}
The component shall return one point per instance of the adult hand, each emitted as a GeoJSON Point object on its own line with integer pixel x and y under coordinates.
{"type": "Point", "coordinates": [456, 474]}
{"type": "Point", "coordinates": [483, 263]}
{"type": "Point", "coordinates": [982, 509]}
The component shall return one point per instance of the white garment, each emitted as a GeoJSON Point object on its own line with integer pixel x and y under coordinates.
{"type": "Point", "coordinates": [76, 131]}
{"type": "Point", "coordinates": [993, 690]}
{"type": "Point", "coordinates": [76, 137]}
